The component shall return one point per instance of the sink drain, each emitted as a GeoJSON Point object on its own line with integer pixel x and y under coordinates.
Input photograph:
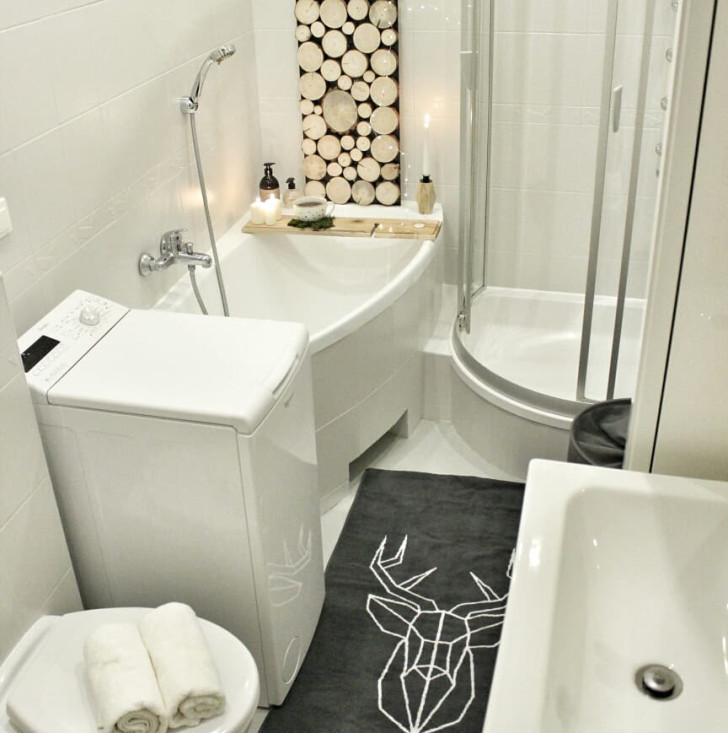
{"type": "Point", "coordinates": [658, 682]}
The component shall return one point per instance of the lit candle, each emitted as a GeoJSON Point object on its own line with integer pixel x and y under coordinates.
{"type": "Point", "coordinates": [277, 205]}
{"type": "Point", "coordinates": [257, 212]}
{"type": "Point", "coordinates": [270, 211]}
{"type": "Point", "coordinates": [426, 148]}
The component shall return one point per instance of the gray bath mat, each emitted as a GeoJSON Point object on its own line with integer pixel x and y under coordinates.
{"type": "Point", "coordinates": [415, 596]}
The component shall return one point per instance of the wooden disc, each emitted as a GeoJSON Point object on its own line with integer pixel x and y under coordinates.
{"type": "Point", "coordinates": [344, 82]}
{"type": "Point", "coordinates": [338, 190]}
{"type": "Point", "coordinates": [328, 148]}
{"type": "Point", "coordinates": [306, 106]}
{"type": "Point", "coordinates": [348, 28]}
{"type": "Point", "coordinates": [369, 76]}
{"type": "Point", "coordinates": [344, 160]}
{"type": "Point", "coordinates": [308, 146]}
{"type": "Point", "coordinates": [334, 169]}
{"type": "Point", "coordinates": [364, 110]}
{"type": "Point", "coordinates": [339, 110]}
{"type": "Point", "coordinates": [312, 85]}
{"type": "Point", "coordinates": [384, 62]}
{"type": "Point", "coordinates": [350, 174]}
{"type": "Point", "coordinates": [363, 144]}
{"type": "Point", "coordinates": [383, 13]}
{"type": "Point", "coordinates": [315, 188]}
{"type": "Point", "coordinates": [384, 91]}
{"type": "Point", "coordinates": [368, 169]}
{"type": "Point", "coordinates": [390, 171]}
{"type": "Point", "coordinates": [389, 37]}
{"type": "Point", "coordinates": [385, 148]}
{"type": "Point", "coordinates": [314, 127]}
{"type": "Point", "coordinates": [360, 91]}
{"type": "Point", "coordinates": [388, 193]}
{"type": "Point", "coordinates": [334, 44]}
{"type": "Point", "coordinates": [384, 120]}
{"type": "Point", "coordinates": [358, 9]}
{"type": "Point", "coordinates": [318, 110]}
{"type": "Point", "coordinates": [362, 192]}
{"type": "Point", "coordinates": [314, 167]}
{"type": "Point", "coordinates": [356, 155]}
{"type": "Point", "coordinates": [347, 142]}
{"type": "Point", "coordinates": [303, 33]}
{"type": "Point", "coordinates": [363, 128]}
{"type": "Point", "coordinates": [354, 63]}
{"type": "Point", "coordinates": [310, 56]}
{"type": "Point", "coordinates": [318, 29]}
{"type": "Point", "coordinates": [307, 11]}
{"type": "Point", "coordinates": [333, 13]}
{"type": "Point", "coordinates": [367, 38]}
{"type": "Point", "coordinates": [331, 70]}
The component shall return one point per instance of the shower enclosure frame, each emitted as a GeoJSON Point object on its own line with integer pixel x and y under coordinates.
{"type": "Point", "coordinates": [473, 60]}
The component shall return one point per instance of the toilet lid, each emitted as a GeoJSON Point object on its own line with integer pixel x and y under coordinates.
{"type": "Point", "coordinates": [51, 694]}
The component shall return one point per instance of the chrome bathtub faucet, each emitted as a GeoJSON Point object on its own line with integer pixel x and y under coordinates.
{"type": "Point", "coordinates": [172, 249]}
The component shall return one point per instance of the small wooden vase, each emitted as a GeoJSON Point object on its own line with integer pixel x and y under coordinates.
{"type": "Point", "coordinates": [425, 195]}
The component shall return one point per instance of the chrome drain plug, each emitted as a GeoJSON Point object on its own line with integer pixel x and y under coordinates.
{"type": "Point", "coordinates": [658, 682]}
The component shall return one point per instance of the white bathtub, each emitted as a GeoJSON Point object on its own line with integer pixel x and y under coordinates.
{"type": "Point", "coordinates": [369, 305]}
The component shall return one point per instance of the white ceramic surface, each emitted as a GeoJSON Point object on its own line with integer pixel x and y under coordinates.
{"type": "Point", "coordinates": [48, 691]}
{"type": "Point", "coordinates": [614, 570]}
{"type": "Point", "coordinates": [533, 338]}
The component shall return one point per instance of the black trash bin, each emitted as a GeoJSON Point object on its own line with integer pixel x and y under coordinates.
{"type": "Point", "coordinates": [599, 434]}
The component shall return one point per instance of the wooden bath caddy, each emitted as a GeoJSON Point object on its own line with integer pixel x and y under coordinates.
{"type": "Point", "coordinates": [351, 227]}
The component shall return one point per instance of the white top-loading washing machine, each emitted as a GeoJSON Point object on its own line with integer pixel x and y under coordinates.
{"type": "Point", "coordinates": [182, 453]}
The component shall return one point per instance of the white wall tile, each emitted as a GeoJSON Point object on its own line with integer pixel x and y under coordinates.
{"type": "Point", "coordinates": [36, 575]}
{"type": "Point", "coordinates": [94, 136]}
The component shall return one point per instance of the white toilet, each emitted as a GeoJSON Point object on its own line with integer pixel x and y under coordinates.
{"type": "Point", "coordinates": [43, 687]}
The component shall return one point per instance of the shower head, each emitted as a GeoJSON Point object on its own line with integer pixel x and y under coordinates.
{"type": "Point", "coordinates": [218, 55]}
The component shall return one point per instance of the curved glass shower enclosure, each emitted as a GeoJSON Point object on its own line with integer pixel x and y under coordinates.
{"type": "Point", "coordinates": [562, 111]}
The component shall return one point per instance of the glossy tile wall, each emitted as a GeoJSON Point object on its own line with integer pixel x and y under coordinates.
{"type": "Point", "coordinates": [36, 576]}
{"type": "Point", "coordinates": [429, 74]}
{"type": "Point", "coordinates": [547, 81]}
{"type": "Point", "coordinates": [95, 157]}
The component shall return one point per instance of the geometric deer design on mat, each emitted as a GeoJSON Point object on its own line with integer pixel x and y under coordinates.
{"type": "Point", "coordinates": [428, 682]}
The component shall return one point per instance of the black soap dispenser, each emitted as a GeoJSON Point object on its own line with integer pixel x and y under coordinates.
{"type": "Point", "coordinates": [269, 185]}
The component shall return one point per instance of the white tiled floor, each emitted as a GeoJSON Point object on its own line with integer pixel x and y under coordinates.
{"type": "Point", "coordinates": [434, 447]}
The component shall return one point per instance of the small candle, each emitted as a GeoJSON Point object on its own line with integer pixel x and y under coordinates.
{"type": "Point", "coordinates": [257, 212]}
{"type": "Point", "coordinates": [270, 211]}
{"type": "Point", "coordinates": [426, 147]}
{"type": "Point", "coordinates": [276, 205]}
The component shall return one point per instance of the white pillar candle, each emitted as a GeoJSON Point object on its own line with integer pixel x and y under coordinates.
{"type": "Point", "coordinates": [426, 147]}
{"type": "Point", "coordinates": [257, 212]}
{"type": "Point", "coordinates": [270, 211]}
{"type": "Point", "coordinates": [277, 206]}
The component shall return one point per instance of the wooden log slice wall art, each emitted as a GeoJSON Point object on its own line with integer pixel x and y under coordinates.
{"type": "Point", "coordinates": [348, 58]}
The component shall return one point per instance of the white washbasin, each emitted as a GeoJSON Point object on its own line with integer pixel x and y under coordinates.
{"type": "Point", "coordinates": [614, 570]}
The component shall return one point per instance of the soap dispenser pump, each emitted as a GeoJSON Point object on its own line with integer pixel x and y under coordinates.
{"type": "Point", "coordinates": [291, 193]}
{"type": "Point", "coordinates": [269, 185]}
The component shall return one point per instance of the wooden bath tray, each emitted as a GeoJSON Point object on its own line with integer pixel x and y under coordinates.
{"type": "Point", "coordinates": [351, 227]}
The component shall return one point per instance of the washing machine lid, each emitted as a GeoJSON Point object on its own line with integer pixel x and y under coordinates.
{"type": "Point", "coordinates": [225, 371]}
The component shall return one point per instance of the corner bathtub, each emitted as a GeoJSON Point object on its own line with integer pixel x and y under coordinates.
{"type": "Point", "coordinates": [369, 305]}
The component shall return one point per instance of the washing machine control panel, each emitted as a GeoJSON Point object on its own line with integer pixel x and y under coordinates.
{"type": "Point", "coordinates": [51, 347]}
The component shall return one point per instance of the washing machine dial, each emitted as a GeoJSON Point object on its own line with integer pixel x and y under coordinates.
{"type": "Point", "coordinates": [89, 316]}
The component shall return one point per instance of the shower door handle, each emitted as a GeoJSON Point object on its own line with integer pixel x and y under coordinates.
{"type": "Point", "coordinates": [616, 107]}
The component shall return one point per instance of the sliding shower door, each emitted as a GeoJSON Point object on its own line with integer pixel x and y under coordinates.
{"type": "Point", "coordinates": [567, 104]}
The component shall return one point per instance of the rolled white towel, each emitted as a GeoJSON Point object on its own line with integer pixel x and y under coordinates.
{"type": "Point", "coordinates": [185, 669]}
{"type": "Point", "coordinates": [125, 693]}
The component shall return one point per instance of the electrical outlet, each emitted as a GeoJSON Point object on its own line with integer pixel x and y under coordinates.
{"type": "Point", "coordinates": [6, 225]}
